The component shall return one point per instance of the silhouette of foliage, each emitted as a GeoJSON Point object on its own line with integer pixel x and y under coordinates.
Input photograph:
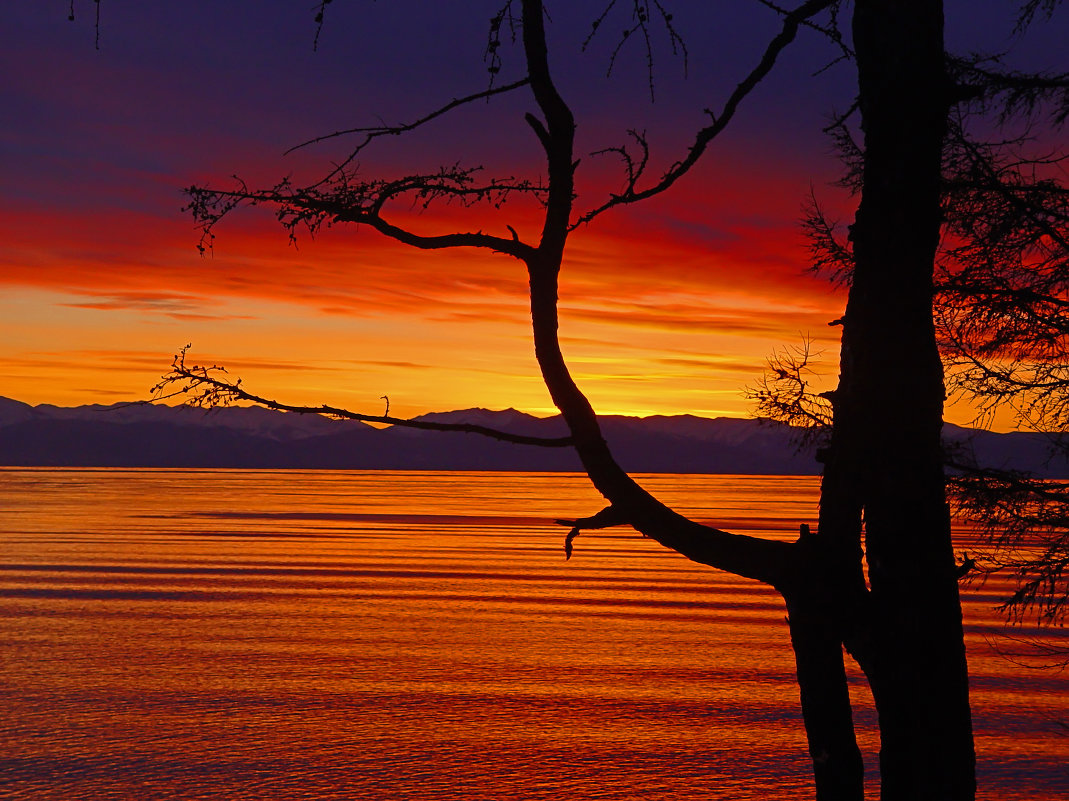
{"type": "Point", "coordinates": [1023, 523]}
{"type": "Point", "coordinates": [1002, 305]}
{"type": "Point", "coordinates": [346, 197]}
{"type": "Point", "coordinates": [783, 394]}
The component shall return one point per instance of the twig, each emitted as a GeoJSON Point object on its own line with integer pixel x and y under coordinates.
{"type": "Point", "coordinates": [203, 389]}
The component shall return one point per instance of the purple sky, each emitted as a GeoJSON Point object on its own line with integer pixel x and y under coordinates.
{"type": "Point", "coordinates": [670, 307]}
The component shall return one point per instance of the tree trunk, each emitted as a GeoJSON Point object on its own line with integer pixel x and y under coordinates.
{"type": "Point", "coordinates": [889, 409]}
{"type": "Point", "coordinates": [885, 460]}
{"type": "Point", "coordinates": [764, 560]}
{"type": "Point", "coordinates": [838, 770]}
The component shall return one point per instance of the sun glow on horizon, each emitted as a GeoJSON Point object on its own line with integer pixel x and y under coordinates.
{"type": "Point", "coordinates": [668, 307]}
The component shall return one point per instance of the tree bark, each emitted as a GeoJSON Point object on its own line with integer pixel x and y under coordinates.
{"type": "Point", "coordinates": [838, 770]}
{"type": "Point", "coordinates": [764, 560]}
{"type": "Point", "coordinates": [888, 409]}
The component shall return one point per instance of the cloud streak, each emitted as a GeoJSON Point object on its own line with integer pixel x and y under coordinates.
{"type": "Point", "coordinates": [97, 253]}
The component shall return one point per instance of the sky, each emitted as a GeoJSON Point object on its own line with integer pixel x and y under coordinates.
{"type": "Point", "coordinates": [668, 307]}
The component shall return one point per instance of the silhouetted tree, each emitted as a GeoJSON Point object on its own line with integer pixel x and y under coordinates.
{"type": "Point", "coordinates": [1001, 301]}
{"type": "Point", "coordinates": [883, 498]}
{"type": "Point", "coordinates": [1004, 316]}
{"type": "Point", "coordinates": [883, 464]}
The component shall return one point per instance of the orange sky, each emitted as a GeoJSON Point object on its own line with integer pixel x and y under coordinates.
{"type": "Point", "coordinates": [662, 312]}
{"type": "Point", "coordinates": [667, 308]}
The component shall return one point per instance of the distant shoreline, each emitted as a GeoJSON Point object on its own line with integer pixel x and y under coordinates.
{"type": "Point", "coordinates": [149, 436]}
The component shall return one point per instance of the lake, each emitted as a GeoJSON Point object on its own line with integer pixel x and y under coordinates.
{"type": "Point", "coordinates": [217, 634]}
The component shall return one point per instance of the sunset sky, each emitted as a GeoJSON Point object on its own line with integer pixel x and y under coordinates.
{"type": "Point", "coordinates": [669, 307]}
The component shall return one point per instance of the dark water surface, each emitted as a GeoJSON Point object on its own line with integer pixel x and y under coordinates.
{"type": "Point", "coordinates": [173, 634]}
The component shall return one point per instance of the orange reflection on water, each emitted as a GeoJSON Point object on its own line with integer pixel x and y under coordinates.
{"type": "Point", "coordinates": [205, 634]}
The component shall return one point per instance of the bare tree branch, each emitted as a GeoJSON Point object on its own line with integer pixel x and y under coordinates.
{"type": "Point", "coordinates": [371, 133]}
{"type": "Point", "coordinates": [767, 561]}
{"type": "Point", "coordinates": [792, 21]}
{"type": "Point", "coordinates": [830, 253]}
{"type": "Point", "coordinates": [830, 31]}
{"type": "Point", "coordinates": [1020, 92]}
{"type": "Point", "coordinates": [207, 387]}
{"type": "Point", "coordinates": [363, 202]}
{"type": "Point", "coordinates": [1023, 523]}
{"type": "Point", "coordinates": [348, 198]}
{"type": "Point", "coordinates": [640, 26]}
{"type": "Point", "coordinates": [783, 394]}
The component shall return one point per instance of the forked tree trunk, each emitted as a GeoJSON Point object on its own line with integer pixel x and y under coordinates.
{"type": "Point", "coordinates": [889, 408]}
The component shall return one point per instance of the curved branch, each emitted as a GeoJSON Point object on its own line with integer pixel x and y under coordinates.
{"type": "Point", "coordinates": [763, 560]}
{"type": "Point", "coordinates": [363, 203]}
{"type": "Point", "coordinates": [831, 32]}
{"type": "Point", "coordinates": [511, 247]}
{"type": "Point", "coordinates": [792, 21]}
{"type": "Point", "coordinates": [347, 200]}
{"type": "Point", "coordinates": [203, 388]}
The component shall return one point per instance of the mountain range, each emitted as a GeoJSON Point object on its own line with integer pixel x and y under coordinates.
{"type": "Point", "coordinates": [154, 435]}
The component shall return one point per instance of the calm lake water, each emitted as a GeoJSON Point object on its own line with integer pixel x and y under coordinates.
{"type": "Point", "coordinates": [174, 634]}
